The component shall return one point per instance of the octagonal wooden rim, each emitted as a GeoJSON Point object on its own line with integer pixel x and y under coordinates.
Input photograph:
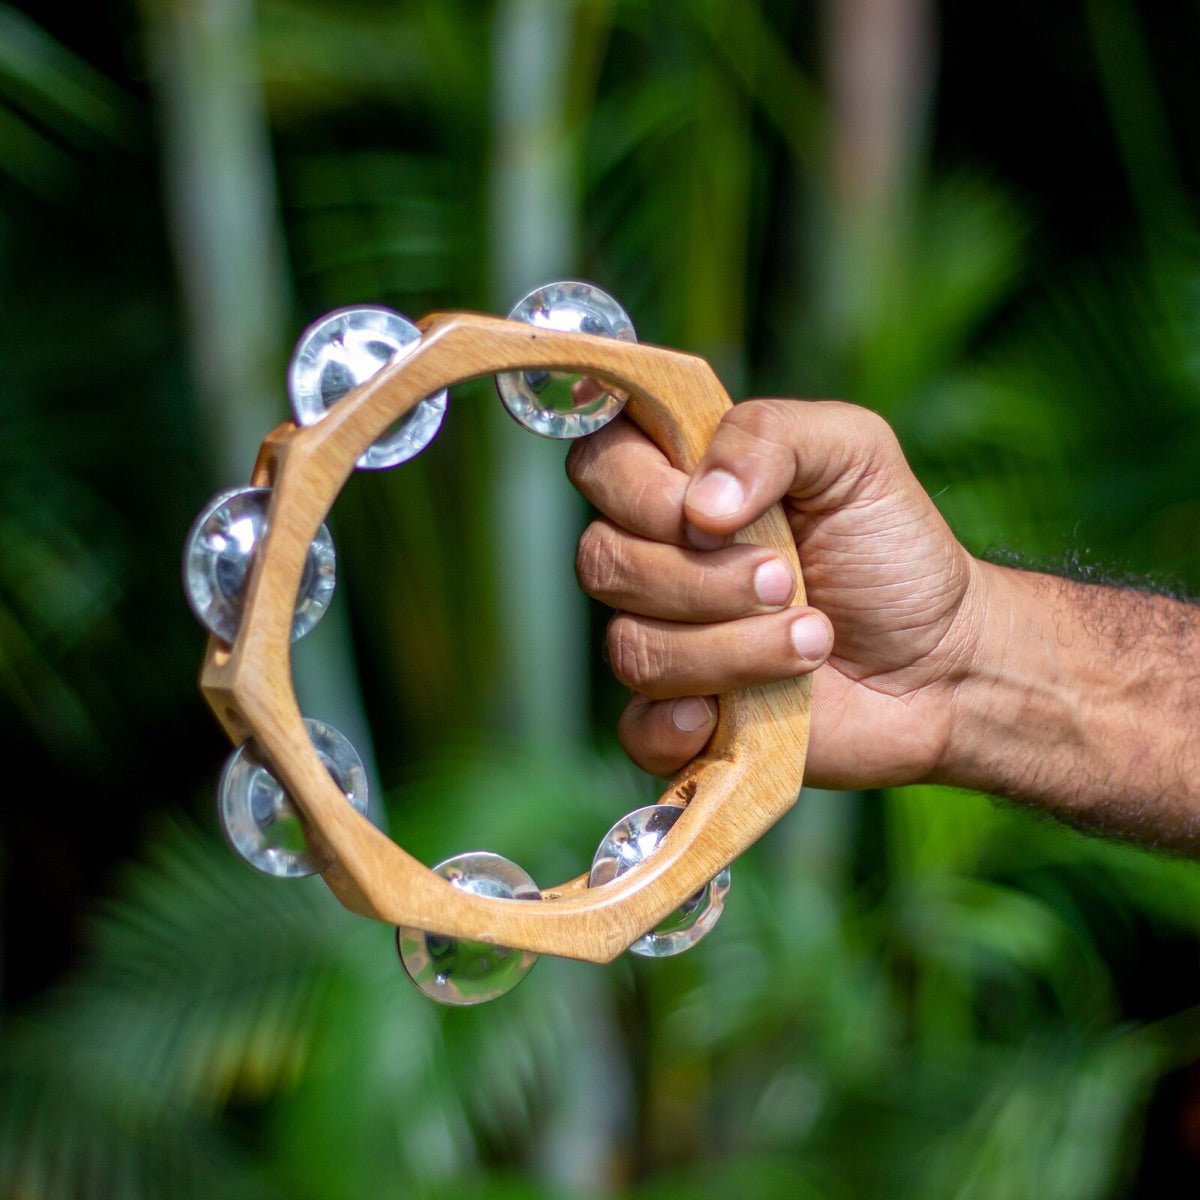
{"type": "Point", "coordinates": [748, 776]}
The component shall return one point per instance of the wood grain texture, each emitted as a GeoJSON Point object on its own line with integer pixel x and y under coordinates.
{"type": "Point", "coordinates": [748, 776]}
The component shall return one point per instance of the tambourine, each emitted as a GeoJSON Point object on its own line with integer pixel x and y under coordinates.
{"type": "Point", "coordinates": [368, 389]}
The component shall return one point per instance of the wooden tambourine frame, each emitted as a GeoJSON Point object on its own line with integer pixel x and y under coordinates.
{"type": "Point", "coordinates": [747, 777]}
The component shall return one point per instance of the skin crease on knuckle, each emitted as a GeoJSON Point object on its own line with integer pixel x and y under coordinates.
{"type": "Point", "coordinates": [580, 456]}
{"type": "Point", "coordinates": [872, 471]}
{"type": "Point", "coordinates": [635, 660]}
{"type": "Point", "coordinates": [599, 564]}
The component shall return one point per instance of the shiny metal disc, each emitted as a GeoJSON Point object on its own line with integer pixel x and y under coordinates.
{"type": "Point", "coordinates": [259, 819]}
{"type": "Point", "coordinates": [452, 971]}
{"type": "Point", "coordinates": [344, 349]}
{"type": "Point", "coordinates": [631, 840]}
{"type": "Point", "coordinates": [220, 550]}
{"type": "Point", "coordinates": [557, 405]}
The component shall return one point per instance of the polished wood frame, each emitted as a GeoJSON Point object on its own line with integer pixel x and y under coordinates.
{"type": "Point", "coordinates": [747, 777]}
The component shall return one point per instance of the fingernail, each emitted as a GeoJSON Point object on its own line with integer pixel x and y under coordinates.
{"type": "Point", "coordinates": [717, 494]}
{"type": "Point", "coordinates": [701, 540]}
{"type": "Point", "coordinates": [690, 714]}
{"type": "Point", "coordinates": [810, 637]}
{"type": "Point", "coordinates": [773, 582]}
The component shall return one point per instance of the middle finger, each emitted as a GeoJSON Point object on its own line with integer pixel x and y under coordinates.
{"type": "Point", "coordinates": [673, 583]}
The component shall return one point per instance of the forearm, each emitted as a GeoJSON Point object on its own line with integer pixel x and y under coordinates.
{"type": "Point", "coordinates": [1082, 700]}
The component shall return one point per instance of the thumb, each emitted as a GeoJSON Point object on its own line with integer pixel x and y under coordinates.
{"type": "Point", "coordinates": [816, 452]}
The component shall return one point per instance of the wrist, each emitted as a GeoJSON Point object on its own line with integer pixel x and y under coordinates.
{"type": "Point", "coordinates": [1016, 717]}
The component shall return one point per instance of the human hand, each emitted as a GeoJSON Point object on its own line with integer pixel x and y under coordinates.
{"type": "Point", "coordinates": [893, 621]}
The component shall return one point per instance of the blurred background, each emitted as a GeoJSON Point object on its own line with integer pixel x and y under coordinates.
{"type": "Point", "coordinates": [980, 221]}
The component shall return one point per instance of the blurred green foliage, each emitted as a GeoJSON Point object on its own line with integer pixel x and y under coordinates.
{"type": "Point", "coordinates": [914, 994]}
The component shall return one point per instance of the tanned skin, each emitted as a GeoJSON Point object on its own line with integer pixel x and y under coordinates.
{"type": "Point", "coordinates": [928, 665]}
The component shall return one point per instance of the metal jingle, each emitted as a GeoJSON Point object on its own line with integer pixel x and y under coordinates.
{"type": "Point", "coordinates": [260, 821]}
{"type": "Point", "coordinates": [630, 841]}
{"type": "Point", "coordinates": [452, 971]}
{"type": "Point", "coordinates": [343, 350]}
{"type": "Point", "coordinates": [219, 552]}
{"type": "Point", "coordinates": [552, 404]}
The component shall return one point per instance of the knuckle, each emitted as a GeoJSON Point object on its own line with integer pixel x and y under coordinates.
{"type": "Point", "coordinates": [774, 421]}
{"type": "Point", "coordinates": [762, 435]}
{"type": "Point", "coordinates": [766, 420]}
{"type": "Point", "coordinates": [635, 657]}
{"type": "Point", "coordinates": [630, 740]}
{"type": "Point", "coordinates": [639, 742]}
{"type": "Point", "coordinates": [580, 458]}
{"type": "Point", "coordinates": [873, 430]}
{"type": "Point", "coordinates": [878, 455]}
{"type": "Point", "coordinates": [709, 586]}
{"type": "Point", "coordinates": [600, 561]}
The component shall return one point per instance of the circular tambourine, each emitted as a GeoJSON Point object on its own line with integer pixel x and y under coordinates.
{"type": "Point", "coordinates": [368, 389]}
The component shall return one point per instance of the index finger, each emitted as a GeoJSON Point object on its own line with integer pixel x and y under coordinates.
{"type": "Point", "coordinates": [628, 478]}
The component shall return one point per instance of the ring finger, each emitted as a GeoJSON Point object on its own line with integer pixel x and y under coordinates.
{"type": "Point", "coordinates": [662, 659]}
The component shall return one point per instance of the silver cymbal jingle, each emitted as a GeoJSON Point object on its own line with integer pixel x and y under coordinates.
{"type": "Point", "coordinates": [631, 841]}
{"type": "Point", "coordinates": [219, 551]}
{"type": "Point", "coordinates": [458, 972]}
{"type": "Point", "coordinates": [260, 821]}
{"type": "Point", "coordinates": [344, 349]}
{"type": "Point", "coordinates": [550, 403]}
